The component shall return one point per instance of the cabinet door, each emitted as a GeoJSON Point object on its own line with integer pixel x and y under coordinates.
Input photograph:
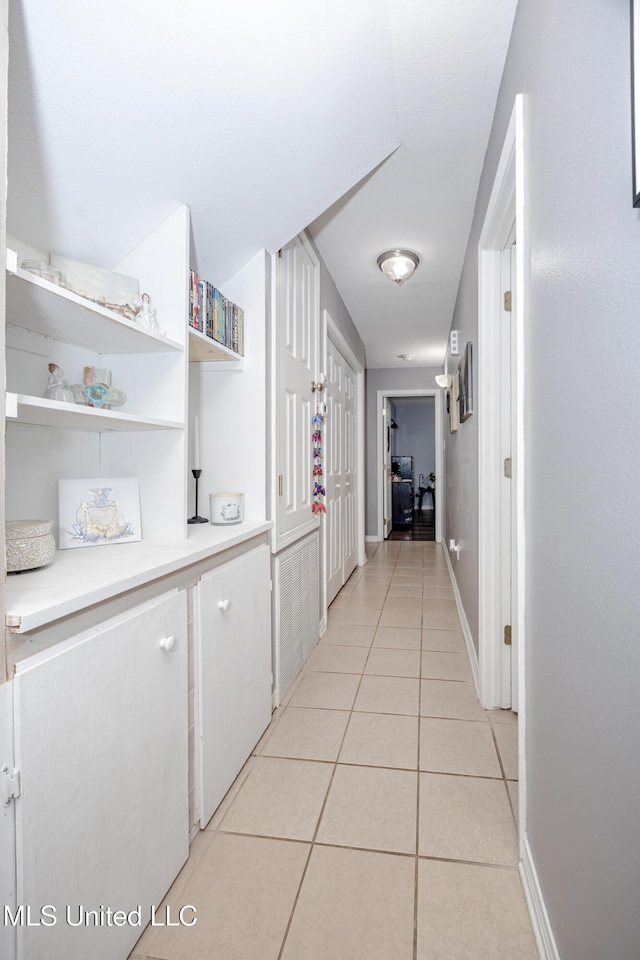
{"type": "Point", "coordinates": [101, 745]}
{"type": "Point", "coordinates": [234, 655]}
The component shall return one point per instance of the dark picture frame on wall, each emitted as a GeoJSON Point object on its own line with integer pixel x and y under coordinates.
{"type": "Point", "coordinates": [635, 98]}
{"type": "Point", "coordinates": [465, 383]}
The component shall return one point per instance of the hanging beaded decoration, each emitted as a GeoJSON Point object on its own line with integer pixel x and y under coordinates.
{"type": "Point", "coordinates": [318, 490]}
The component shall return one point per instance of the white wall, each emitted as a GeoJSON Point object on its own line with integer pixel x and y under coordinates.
{"type": "Point", "coordinates": [388, 379]}
{"type": "Point", "coordinates": [582, 435]}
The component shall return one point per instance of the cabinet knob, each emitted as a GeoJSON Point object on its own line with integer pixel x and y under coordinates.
{"type": "Point", "coordinates": [167, 643]}
{"type": "Point", "coordinates": [223, 604]}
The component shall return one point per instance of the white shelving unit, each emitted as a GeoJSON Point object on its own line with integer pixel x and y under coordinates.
{"type": "Point", "coordinates": [52, 311]}
{"type": "Point", "coordinates": [168, 381]}
{"type": "Point", "coordinates": [203, 348]}
{"type": "Point", "coordinates": [72, 416]}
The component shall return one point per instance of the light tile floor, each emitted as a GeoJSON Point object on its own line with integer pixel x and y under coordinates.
{"type": "Point", "coordinates": [375, 819]}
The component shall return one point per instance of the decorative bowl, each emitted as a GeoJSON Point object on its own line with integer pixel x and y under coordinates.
{"type": "Point", "coordinates": [29, 544]}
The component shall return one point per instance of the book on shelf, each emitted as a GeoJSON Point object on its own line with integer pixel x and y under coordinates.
{"type": "Point", "coordinates": [214, 315]}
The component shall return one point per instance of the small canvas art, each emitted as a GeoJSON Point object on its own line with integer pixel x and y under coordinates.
{"type": "Point", "coordinates": [99, 511]}
{"type": "Point", "coordinates": [465, 384]}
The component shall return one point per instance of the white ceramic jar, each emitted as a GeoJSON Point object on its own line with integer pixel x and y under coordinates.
{"type": "Point", "coordinates": [226, 508]}
{"type": "Point", "coordinates": [29, 544]}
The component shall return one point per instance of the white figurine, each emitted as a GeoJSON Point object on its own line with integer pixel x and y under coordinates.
{"type": "Point", "coordinates": [57, 387]}
{"type": "Point", "coordinates": [146, 314]}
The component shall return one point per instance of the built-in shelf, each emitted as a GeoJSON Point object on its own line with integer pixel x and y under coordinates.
{"type": "Point", "coordinates": [52, 311]}
{"type": "Point", "coordinates": [202, 348]}
{"type": "Point", "coordinates": [70, 416]}
{"type": "Point", "coordinates": [80, 578]}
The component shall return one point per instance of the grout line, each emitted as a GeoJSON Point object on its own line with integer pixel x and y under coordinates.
{"type": "Point", "coordinates": [417, 863]}
{"type": "Point", "coordinates": [321, 815]}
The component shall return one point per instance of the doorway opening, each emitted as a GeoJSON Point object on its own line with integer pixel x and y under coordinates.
{"type": "Point", "coordinates": [410, 459]}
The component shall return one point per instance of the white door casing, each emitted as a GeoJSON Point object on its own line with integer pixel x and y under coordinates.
{"type": "Point", "coordinates": [297, 346]}
{"type": "Point", "coordinates": [233, 614]}
{"type": "Point", "coordinates": [504, 223]}
{"type": "Point", "coordinates": [381, 440]}
{"type": "Point", "coordinates": [101, 745]}
{"type": "Point", "coordinates": [387, 520]}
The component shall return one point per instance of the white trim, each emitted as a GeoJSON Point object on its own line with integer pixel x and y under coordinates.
{"type": "Point", "coordinates": [506, 207]}
{"type": "Point", "coordinates": [381, 397]}
{"type": "Point", "coordinates": [542, 931]}
{"type": "Point", "coordinates": [323, 626]}
{"type": "Point", "coordinates": [466, 629]}
{"type": "Point", "coordinates": [373, 539]}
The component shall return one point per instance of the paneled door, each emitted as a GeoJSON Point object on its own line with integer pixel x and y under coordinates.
{"type": "Point", "coordinates": [102, 749]}
{"type": "Point", "coordinates": [340, 471]}
{"type": "Point", "coordinates": [297, 339]}
{"type": "Point", "coordinates": [233, 610]}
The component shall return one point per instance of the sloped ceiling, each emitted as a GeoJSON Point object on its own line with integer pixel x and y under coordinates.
{"type": "Point", "coordinates": [449, 57]}
{"type": "Point", "coordinates": [257, 115]}
{"type": "Point", "coordinates": [365, 119]}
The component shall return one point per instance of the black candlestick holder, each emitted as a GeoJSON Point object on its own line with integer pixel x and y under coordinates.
{"type": "Point", "coordinates": [195, 518]}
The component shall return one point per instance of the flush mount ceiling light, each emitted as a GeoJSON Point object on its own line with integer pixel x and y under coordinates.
{"type": "Point", "coordinates": [398, 265]}
{"type": "Point", "coordinates": [405, 356]}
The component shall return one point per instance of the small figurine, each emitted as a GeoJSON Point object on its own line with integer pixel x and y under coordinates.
{"type": "Point", "coordinates": [318, 507]}
{"type": "Point", "coordinates": [317, 470]}
{"type": "Point", "coordinates": [146, 314]}
{"type": "Point", "coordinates": [57, 387]}
{"type": "Point", "coordinates": [317, 419]}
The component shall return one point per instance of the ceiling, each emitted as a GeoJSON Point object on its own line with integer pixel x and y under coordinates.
{"type": "Point", "coordinates": [263, 118]}
{"type": "Point", "coordinates": [448, 60]}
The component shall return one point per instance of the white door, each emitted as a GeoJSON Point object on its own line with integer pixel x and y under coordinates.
{"type": "Point", "coordinates": [340, 448]}
{"type": "Point", "coordinates": [387, 520]}
{"type": "Point", "coordinates": [102, 749]}
{"type": "Point", "coordinates": [233, 611]}
{"type": "Point", "coordinates": [297, 341]}
{"type": "Point", "coordinates": [508, 526]}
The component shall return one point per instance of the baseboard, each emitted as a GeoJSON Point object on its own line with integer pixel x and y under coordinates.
{"type": "Point", "coordinates": [542, 931]}
{"type": "Point", "coordinates": [466, 630]}
{"type": "Point", "coordinates": [372, 540]}
{"type": "Point", "coordinates": [323, 626]}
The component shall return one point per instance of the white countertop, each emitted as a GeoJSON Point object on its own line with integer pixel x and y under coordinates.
{"type": "Point", "coordinates": [79, 578]}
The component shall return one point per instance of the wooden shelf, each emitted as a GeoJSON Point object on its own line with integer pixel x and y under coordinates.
{"type": "Point", "coordinates": [70, 416]}
{"type": "Point", "coordinates": [202, 348]}
{"type": "Point", "coordinates": [36, 304]}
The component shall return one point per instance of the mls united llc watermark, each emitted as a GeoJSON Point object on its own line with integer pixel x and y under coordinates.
{"type": "Point", "coordinates": [79, 916]}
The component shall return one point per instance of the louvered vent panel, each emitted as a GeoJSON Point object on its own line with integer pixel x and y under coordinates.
{"type": "Point", "coordinates": [297, 598]}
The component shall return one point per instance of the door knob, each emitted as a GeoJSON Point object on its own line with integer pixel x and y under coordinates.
{"type": "Point", "coordinates": [167, 643]}
{"type": "Point", "coordinates": [223, 604]}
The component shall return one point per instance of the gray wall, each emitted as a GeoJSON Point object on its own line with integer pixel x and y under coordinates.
{"type": "Point", "coordinates": [416, 433]}
{"type": "Point", "coordinates": [582, 435]}
{"type": "Point", "coordinates": [389, 379]}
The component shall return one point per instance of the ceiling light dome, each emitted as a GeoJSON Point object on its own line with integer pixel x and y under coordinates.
{"type": "Point", "coordinates": [398, 265]}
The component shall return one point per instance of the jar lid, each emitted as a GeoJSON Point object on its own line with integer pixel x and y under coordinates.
{"type": "Point", "coordinates": [25, 529]}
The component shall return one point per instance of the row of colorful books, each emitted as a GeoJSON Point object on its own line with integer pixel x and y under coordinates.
{"type": "Point", "coordinates": [214, 315]}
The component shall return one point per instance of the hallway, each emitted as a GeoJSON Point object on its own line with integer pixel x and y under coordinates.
{"type": "Point", "coordinates": [374, 820]}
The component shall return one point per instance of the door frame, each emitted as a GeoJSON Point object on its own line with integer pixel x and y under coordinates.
{"type": "Point", "coordinates": [390, 393]}
{"type": "Point", "coordinates": [504, 221]}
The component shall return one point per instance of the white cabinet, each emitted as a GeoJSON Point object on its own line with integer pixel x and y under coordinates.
{"type": "Point", "coordinates": [233, 611]}
{"type": "Point", "coordinates": [101, 746]}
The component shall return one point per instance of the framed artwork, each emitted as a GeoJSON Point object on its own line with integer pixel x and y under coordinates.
{"type": "Point", "coordinates": [96, 512]}
{"type": "Point", "coordinates": [635, 98]}
{"type": "Point", "coordinates": [465, 383]}
{"type": "Point", "coordinates": [452, 405]}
